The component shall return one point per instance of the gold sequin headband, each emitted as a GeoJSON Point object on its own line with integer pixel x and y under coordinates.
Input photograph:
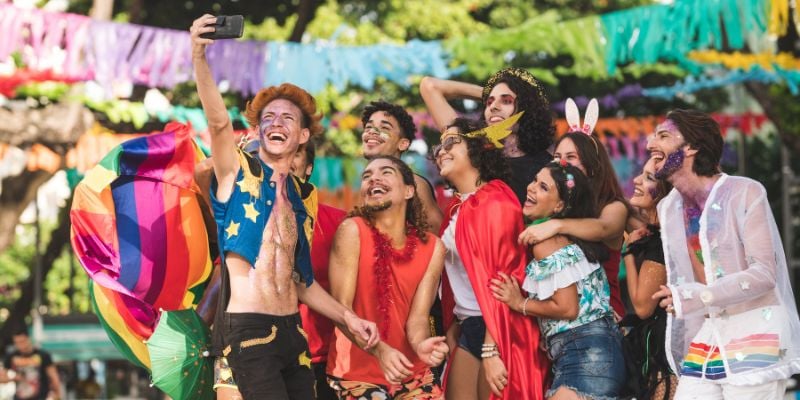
{"type": "Point", "coordinates": [517, 73]}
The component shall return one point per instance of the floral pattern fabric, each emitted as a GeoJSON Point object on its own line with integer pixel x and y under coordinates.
{"type": "Point", "coordinates": [594, 292]}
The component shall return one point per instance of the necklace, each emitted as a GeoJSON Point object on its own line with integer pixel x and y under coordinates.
{"type": "Point", "coordinates": [385, 255]}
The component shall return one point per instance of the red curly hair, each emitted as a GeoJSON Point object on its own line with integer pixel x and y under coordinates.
{"type": "Point", "coordinates": [302, 99]}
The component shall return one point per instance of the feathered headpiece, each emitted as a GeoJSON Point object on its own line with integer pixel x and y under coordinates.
{"type": "Point", "coordinates": [574, 116]}
{"type": "Point", "coordinates": [497, 132]}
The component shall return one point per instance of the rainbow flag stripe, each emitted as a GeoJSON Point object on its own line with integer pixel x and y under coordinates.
{"type": "Point", "coordinates": [742, 355]}
{"type": "Point", "coordinates": [139, 231]}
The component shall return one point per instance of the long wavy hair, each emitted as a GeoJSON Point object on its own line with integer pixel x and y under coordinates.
{"type": "Point", "coordinates": [415, 213]}
{"type": "Point", "coordinates": [579, 202]}
{"type": "Point", "coordinates": [594, 159]}
{"type": "Point", "coordinates": [536, 129]}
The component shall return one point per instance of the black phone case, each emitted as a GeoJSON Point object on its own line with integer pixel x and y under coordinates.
{"type": "Point", "coordinates": [227, 27]}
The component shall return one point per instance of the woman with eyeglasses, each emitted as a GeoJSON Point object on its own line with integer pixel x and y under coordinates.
{"type": "Point", "coordinates": [507, 92]}
{"type": "Point", "coordinates": [496, 351]}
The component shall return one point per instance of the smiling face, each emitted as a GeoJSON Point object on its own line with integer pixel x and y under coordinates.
{"type": "Point", "coordinates": [382, 184]}
{"type": "Point", "coordinates": [500, 104]}
{"type": "Point", "coordinates": [542, 199]}
{"type": "Point", "coordinates": [645, 187]}
{"type": "Point", "coordinates": [452, 156]}
{"type": "Point", "coordinates": [666, 148]}
{"type": "Point", "coordinates": [383, 136]}
{"type": "Point", "coordinates": [567, 150]}
{"type": "Point", "coordinates": [280, 128]}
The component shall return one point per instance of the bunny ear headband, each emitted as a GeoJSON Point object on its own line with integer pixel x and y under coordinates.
{"type": "Point", "coordinates": [574, 117]}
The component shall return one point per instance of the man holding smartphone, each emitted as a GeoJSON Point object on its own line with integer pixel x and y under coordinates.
{"type": "Point", "coordinates": [263, 232]}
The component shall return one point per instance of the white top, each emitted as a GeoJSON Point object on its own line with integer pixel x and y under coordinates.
{"type": "Point", "coordinates": [466, 302]}
{"type": "Point", "coordinates": [745, 270]}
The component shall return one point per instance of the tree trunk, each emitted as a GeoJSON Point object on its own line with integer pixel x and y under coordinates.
{"type": "Point", "coordinates": [773, 111]}
{"type": "Point", "coordinates": [18, 192]}
{"type": "Point", "coordinates": [22, 307]}
{"type": "Point", "coordinates": [305, 13]}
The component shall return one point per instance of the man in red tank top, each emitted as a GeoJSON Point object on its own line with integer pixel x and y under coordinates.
{"type": "Point", "coordinates": [385, 265]}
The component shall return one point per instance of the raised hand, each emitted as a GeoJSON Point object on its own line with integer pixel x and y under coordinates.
{"type": "Point", "coordinates": [200, 26]}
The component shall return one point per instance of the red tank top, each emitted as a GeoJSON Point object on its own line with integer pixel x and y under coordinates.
{"type": "Point", "coordinates": [345, 359]}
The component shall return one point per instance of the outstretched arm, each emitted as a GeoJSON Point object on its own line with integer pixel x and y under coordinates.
{"type": "Point", "coordinates": [223, 146]}
{"type": "Point", "coordinates": [435, 93]}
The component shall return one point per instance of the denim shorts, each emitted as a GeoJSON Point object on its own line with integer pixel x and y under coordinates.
{"type": "Point", "coordinates": [588, 359]}
{"type": "Point", "coordinates": [473, 331]}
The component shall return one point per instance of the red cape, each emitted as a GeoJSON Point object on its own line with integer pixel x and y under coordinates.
{"type": "Point", "coordinates": [486, 237]}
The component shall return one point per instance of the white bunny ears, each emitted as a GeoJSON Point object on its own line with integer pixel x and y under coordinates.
{"type": "Point", "coordinates": [574, 116]}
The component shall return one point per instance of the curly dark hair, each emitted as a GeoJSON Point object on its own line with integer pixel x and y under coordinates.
{"type": "Point", "coordinates": [579, 202]}
{"type": "Point", "coordinates": [536, 128]}
{"type": "Point", "coordinates": [486, 158]}
{"type": "Point", "coordinates": [415, 212]}
{"type": "Point", "coordinates": [407, 127]}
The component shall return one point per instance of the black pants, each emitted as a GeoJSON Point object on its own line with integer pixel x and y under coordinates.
{"type": "Point", "coordinates": [269, 356]}
{"type": "Point", "coordinates": [324, 390]}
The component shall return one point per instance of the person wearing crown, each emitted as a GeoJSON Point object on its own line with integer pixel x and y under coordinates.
{"type": "Point", "coordinates": [507, 92]}
{"type": "Point", "coordinates": [496, 351]}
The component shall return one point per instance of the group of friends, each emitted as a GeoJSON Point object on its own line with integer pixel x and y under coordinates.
{"type": "Point", "coordinates": [513, 291]}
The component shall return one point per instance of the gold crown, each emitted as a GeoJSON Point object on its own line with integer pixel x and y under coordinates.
{"type": "Point", "coordinates": [517, 73]}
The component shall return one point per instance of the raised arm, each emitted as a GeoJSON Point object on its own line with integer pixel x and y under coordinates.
{"type": "Point", "coordinates": [606, 228]}
{"type": "Point", "coordinates": [430, 350]}
{"type": "Point", "coordinates": [223, 146]}
{"type": "Point", "coordinates": [428, 200]}
{"type": "Point", "coordinates": [435, 92]}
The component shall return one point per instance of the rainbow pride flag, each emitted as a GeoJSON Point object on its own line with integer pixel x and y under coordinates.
{"type": "Point", "coordinates": [140, 231]}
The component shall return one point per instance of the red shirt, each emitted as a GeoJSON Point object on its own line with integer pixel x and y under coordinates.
{"type": "Point", "coordinates": [349, 362]}
{"type": "Point", "coordinates": [319, 328]}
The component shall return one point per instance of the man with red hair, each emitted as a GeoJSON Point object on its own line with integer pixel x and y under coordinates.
{"type": "Point", "coordinates": [264, 230]}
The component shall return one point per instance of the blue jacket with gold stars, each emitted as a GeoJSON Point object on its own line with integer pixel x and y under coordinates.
{"type": "Point", "coordinates": [242, 219]}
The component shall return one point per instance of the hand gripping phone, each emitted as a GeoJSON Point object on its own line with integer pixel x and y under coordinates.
{"type": "Point", "coordinates": [227, 27]}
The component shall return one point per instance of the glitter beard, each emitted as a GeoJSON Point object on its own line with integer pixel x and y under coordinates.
{"type": "Point", "coordinates": [673, 163]}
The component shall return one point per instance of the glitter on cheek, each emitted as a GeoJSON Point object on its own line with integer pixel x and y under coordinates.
{"type": "Point", "coordinates": [673, 163]}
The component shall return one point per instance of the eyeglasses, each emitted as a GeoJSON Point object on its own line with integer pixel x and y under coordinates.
{"type": "Point", "coordinates": [446, 145]}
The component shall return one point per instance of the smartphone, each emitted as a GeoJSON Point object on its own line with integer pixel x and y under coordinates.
{"type": "Point", "coordinates": [227, 27]}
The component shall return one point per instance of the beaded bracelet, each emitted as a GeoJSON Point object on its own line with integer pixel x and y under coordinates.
{"type": "Point", "coordinates": [525, 306]}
